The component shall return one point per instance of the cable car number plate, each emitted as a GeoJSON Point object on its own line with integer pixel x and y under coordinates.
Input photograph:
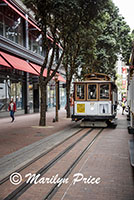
{"type": "Point", "coordinates": [92, 104]}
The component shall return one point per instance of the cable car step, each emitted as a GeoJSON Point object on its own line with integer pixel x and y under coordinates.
{"type": "Point", "coordinates": [131, 151]}
{"type": "Point", "coordinates": [93, 124]}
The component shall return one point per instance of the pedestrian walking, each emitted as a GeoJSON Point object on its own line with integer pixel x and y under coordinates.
{"type": "Point", "coordinates": [12, 109]}
{"type": "Point", "coordinates": [123, 108]}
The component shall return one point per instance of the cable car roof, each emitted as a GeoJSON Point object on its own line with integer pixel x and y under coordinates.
{"type": "Point", "coordinates": [94, 81]}
{"type": "Point", "coordinates": [97, 76]}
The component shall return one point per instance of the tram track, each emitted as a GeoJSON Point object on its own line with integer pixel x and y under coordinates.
{"type": "Point", "coordinates": [56, 187]}
{"type": "Point", "coordinates": [25, 186]}
{"type": "Point", "coordinates": [38, 157]}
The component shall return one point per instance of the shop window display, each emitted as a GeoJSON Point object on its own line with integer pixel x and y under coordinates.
{"type": "Point", "coordinates": [4, 95]}
{"type": "Point", "coordinates": [16, 94]}
{"type": "Point", "coordinates": [10, 90]}
{"type": "Point", "coordinates": [31, 97]}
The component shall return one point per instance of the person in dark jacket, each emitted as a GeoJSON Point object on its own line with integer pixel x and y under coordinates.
{"type": "Point", "coordinates": [123, 107]}
{"type": "Point", "coordinates": [12, 109]}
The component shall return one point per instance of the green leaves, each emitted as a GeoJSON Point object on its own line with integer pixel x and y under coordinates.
{"type": "Point", "coordinates": [91, 31]}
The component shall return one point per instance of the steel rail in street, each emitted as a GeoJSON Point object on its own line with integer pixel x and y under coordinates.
{"type": "Point", "coordinates": [56, 187]}
{"type": "Point", "coordinates": [38, 157]}
{"type": "Point", "coordinates": [25, 186]}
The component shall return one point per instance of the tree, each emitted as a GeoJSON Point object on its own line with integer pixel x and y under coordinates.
{"type": "Point", "coordinates": [70, 65]}
{"type": "Point", "coordinates": [70, 23]}
{"type": "Point", "coordinates": [54, 18]}
{"type": "Point", "coordinates": [62, 19]}
{"type": "Point", "coordinates": [47, 18]}
{"type": "Point", "coordinates": [112, 38]}
{"type": "Point", "coordinates": [73, 39]}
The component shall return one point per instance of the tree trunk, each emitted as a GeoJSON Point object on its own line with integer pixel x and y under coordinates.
{"type": "Point", "coordinates": [68, 97]}
{"type": "Point", "coordinates": [43, 88]}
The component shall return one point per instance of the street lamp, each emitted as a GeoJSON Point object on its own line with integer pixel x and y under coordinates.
{"type": "Point", "coordinates": [56, 87]}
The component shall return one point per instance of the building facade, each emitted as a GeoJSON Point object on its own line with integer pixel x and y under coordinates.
{"type": "Point", "coordinates": [122, 73]}
{"type": "Point", "coordinates": [21, 57]}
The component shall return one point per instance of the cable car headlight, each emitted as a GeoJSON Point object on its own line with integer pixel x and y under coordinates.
{"type": "Point", "coordinates": [92, 106]}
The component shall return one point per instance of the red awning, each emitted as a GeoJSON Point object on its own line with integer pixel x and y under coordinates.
{"type": "Point", "coordinates": [60, 78]}
{"type": "Point", "coordinates": [37, 69]}
{"type": "Point", "coordinates": [3, 62]}
{"type": "Point", "coordinates": [18, 63]}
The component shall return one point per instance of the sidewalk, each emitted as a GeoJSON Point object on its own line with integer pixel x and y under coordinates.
{"type": "Point", "coordinates": [25, 130]}
{"type": "Point", "coordinates": [108, 158]}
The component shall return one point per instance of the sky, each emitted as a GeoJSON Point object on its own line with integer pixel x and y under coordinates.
{"type": "Point", "coordinates": [126, 9]}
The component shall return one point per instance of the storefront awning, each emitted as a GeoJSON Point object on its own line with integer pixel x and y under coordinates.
{"type": "Point", "coordinates": [37, 69]}
{"type": "Point", "coordinates": [3, 62]}
{"type": "Point", "coordinates": [18, 63]}
{"type": "Point", "coordinates": [60, 78]}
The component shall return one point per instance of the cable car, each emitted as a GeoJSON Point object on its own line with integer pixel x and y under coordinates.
{"type": "Point", "coordinates": [95, 101]}
{"type": "Point", "coordinates": [130, 101]}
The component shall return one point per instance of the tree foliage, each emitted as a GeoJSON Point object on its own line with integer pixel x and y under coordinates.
{"type": "Point", "coordinates": [91, 33]}
{"type": "Point", "coordinates": [62, 20]}
{"type": "Point", "coordinates": [74, 37]}
{"type": "Point", "coordinates": [110, 38]}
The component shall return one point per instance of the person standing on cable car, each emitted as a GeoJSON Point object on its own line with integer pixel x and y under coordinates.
{"type": "Point", "coordinates": [71, 101]}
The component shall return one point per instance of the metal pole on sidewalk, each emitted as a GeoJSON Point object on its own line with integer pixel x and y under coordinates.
{"type": "Point", "coordinates": [56, 110]}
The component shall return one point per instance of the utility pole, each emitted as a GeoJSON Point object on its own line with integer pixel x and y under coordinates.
{"type": "Point", "coordinates": [26, 93]}
{"type": "Point", "coordinates": [57, 102]}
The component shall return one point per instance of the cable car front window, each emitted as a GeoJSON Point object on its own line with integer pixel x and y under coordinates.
{"type": "Point", "coordinates": [104, 91]}
{"type": "Point", "coordinates": [80, 89]}
{"type": "Point", "coordinates": [92, 92]}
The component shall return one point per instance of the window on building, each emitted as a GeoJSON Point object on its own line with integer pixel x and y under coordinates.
{"type": "Point", "coordinates": [14, 30]}
{"type": "Point", "coordinates": [10, 89]}
{"type": "Point", "coordinates": [16, 94]}
{"type": "Point", "coordinates": [30, 97]}
{"type": "Point", "coordinates": [1, 25]}
{"type": "Point", "coordinates": [35, 41]}
{"type": "Point", "coordinates": [11, 25]}
{"type": "Point", "coordinates": [62, 96]}
{"type": "Point", "coordinates": [4, 95]}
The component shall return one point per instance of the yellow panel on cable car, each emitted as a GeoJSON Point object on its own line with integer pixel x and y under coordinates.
{"type": "Point", "coordinates": [80, 108]}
